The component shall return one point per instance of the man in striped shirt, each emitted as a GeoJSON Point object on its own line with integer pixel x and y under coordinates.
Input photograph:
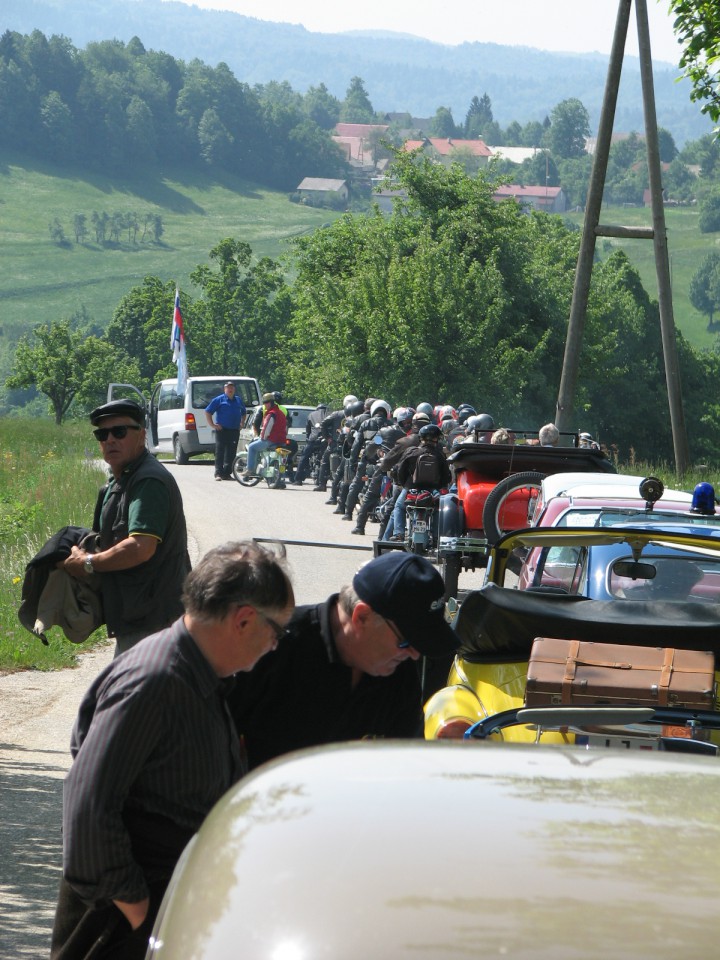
{"type": "Point", "coordinates": [154, 748]}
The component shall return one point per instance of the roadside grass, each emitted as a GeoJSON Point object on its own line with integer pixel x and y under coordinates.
{"type": "Point", "coordinates": [48, 479]}
{"type": "Point", "coordinates": [686, 248]}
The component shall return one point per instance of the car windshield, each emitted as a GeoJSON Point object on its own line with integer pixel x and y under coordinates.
{"type": "Point", "coordinates": [203, 391]}
{"type": "Point", "coordinates": [608, 517]}
{"type": "Point", "coordinates": [675, 575]}
{"type": "Point", "coordinates": [297, 419]}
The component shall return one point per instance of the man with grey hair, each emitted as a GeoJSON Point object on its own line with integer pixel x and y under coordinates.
{"type": "Point", "coordinates": [154, 747]}
{"type": "Point", "coordinates": [548, 435]}
{"type": "Point", "coordinates": [349, 668]}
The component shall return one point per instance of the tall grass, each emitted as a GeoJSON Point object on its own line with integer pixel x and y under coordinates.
{"type": "Point", "coordinates": [48, 479]}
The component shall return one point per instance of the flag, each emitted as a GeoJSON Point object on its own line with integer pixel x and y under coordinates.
{"type": "Point", "coordinates": [177, 344]}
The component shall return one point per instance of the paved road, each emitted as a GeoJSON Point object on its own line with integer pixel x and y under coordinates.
{"type": "Point", "coordinates": [37, 710]}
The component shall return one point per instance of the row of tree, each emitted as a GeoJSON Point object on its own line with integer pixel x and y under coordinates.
{"type": "Point", "coordinates": [110, 227]}
{"type": "Point", "coordinates": [113, 106]}
{"type": "Point", "coordinates": [452, 298]}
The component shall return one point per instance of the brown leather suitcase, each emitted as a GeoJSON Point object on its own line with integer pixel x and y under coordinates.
{"type": "Point", "coordinates": [578, 672]}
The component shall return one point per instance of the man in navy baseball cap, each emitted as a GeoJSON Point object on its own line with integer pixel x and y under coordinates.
{"type": "Point", "coordinates": [408, 591]}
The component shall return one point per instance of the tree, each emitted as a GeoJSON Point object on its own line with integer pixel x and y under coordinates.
{"type": "Point", "coordinates": [322, 107]}
{"type": "Point", "coordinates": [356, 107]}
{"type": "Point", "coordinates": [80, 227]}
{"type": "Point", "coordinates": [709, 219]}
{"type": "Point", "coordinates": [442, 124]}
{"type": "Point", "coordinates": [479, 115]}
{"type": "Point", "coordinates": [569, 128]}
{"type": "Point", "coordinates": [62, 363]}
{"type": "Point", "coordinates": [666, 145]}
{"type": "Point", "coordinates": [705, 287]}
{"type": "Point", "coordinates": [697, 26]}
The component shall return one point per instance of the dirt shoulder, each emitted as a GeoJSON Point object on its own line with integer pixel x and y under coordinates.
{"type": "Point", "coordinates": [37, 711]}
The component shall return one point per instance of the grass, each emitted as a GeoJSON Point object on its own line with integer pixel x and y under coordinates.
{"type": "Point", "coordinates": [42, 280]}
{"type": "Point", "coordinates": [686, 247]}
{"type": "Point", "coordinates": [48, 479]}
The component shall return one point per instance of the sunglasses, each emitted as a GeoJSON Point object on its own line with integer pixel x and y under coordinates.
{"type": "Point", "coordinates": [102, 433]}
{"type": "Point", "coordinates": [402, 643]}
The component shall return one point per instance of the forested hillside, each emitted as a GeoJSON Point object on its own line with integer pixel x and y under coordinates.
{"type": "Point", "coordinates": [401, 74]}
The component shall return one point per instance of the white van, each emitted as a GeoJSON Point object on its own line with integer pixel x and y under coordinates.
{"type": "Point", "coordinates": [176, 421]}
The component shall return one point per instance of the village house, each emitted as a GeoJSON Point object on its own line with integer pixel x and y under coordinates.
{"type": "Point", "coordinates": [447, 150]}
{"type": "Point", "coordinates": [323, 189]}
{"type": "Point", "coordinates": [356, 141]}
{"type": "Point", "coordinates": [546, 199]}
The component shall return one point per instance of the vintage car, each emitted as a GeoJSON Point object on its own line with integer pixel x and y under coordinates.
{"type": "Point", "coordinates": [634, 587]}
{"type": "Point", "coordinates": [400, 850]}
{"type": "Point", "coordinates": [496, 488]}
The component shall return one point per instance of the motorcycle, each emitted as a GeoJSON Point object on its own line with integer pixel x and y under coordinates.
{"type": "Point", "coordinates": [271, 467]}
{"type": "Point", "coordinates": [420, 509]}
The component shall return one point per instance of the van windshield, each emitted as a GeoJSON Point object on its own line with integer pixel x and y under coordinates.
{"type": "Point", "coordinates": [203, 391]}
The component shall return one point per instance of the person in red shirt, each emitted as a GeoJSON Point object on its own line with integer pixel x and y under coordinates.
{"type": "Point", "coordinates": [273, 432]}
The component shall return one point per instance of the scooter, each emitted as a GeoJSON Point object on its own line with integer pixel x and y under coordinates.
{"type": "Point", "coordinates": [271, 468]}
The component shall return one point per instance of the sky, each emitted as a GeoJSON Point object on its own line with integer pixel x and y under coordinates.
{"type": "Point", "coordinates": [565, 25]}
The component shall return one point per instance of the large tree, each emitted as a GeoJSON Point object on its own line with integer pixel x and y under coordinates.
{"type": "Point", "coordinates": [569, 128]}
{"type": "Point", "coordinates": [356, 107]}
{"type": "Point", "coordinates": [67, 365]}
{"type": "Point", "coordinates": [705, 287]}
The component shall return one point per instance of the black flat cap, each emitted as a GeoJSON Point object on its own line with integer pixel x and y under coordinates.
{"type": "Point", "coordinates": [118, 408]}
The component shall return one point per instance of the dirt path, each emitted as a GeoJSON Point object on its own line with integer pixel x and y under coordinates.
{"type": "Point", "coordinates": [37, 711]}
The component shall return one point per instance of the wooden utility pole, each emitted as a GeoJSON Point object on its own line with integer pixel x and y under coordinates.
{"type": "Point", "coordinates": [657, 233]}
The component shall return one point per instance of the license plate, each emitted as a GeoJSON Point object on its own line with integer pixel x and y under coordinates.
{"type": "Point", "coordinates": [622, 742]}
{"type": "Point", "coordinates": [420, 526]}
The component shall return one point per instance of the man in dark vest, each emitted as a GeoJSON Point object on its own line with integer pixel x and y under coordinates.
{"type": "Point", "coordinates": [141, 553]}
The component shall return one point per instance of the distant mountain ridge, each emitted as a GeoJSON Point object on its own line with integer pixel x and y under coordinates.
{"type": "Point", "coordinates": [401, 73]}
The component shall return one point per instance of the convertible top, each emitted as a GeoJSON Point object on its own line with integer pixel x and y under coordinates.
{"type": "Point", "coordinates": [496, 461]}
{"type": "Point", "coordinates": [496, 624]}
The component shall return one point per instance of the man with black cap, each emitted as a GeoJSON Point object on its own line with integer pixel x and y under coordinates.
{"type": "Point", "coordinates": [349, 668]}
{"type": "Point", "coordinates": [229, 411]}
{"type": "Point", "coordinates": [141, 553]}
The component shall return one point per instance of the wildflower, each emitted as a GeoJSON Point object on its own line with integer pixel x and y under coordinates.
{"type": "Point", "coordinates": [16, 580]}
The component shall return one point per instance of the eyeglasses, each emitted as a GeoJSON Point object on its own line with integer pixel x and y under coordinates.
{"type": "Point", "coordinates": [120, 431]}
{"type": "Point", "coordinates": [278, 630]}
{"type": "Point", "coordinates": [402, 643]}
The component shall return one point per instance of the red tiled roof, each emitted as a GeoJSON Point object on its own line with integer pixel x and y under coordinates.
{"type": "Point", "coordinates": [446, 145]}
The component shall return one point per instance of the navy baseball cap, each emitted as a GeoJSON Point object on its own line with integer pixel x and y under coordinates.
{"type": "Point", "coordinates": [407, 589]}
{"type": "Point", "coordinates": [118, 408]}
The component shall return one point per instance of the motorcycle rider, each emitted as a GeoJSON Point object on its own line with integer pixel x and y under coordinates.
{"type": "Point", "coordinates": [314, 442]}
{"type": "Point", "coordinates": [407, 474]}
{"type": "Point", "coordinates": [390, 434]}
{"type": "Point", "coordinates": [348, 464]}
{"type": "Point", "coordinates": [392, 459]}
{"type": "Point", "coordinates": [343, 445]}
{"type": "Point", "coordinates": [273, 432]}
{"type": "Point", "coordinates": [366, 452]}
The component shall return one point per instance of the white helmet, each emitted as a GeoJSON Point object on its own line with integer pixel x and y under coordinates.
{"type": "Point", "coordinates": [348, 399]}
{"type": "Point", "coordinates": [380, 405]}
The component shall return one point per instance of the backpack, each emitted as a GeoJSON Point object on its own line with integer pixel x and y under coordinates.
{"type": "Point", "coordinates": [426, 472]}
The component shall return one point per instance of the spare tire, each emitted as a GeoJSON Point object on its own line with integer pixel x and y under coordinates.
{"type": "Point", "coordinates": [492, 526]}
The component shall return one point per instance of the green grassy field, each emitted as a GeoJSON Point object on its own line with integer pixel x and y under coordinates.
{"type": "Point", "coordinates": [687, 247]}
{"type": "Point", "coordinates": [41, 280]}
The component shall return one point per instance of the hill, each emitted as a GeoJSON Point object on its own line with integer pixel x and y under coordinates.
{"type": "Point", "coordinates": [42, 280]}
{"type": "Point", "coordinates": [400, 73]}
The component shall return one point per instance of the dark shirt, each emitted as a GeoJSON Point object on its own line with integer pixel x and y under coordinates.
{"type": "Point", "coordinates": [301, 695]}
{"type": "Point", "coordinates": [153, 741]}
{"type": "Point", "coordinates": [228, 411]}
{"type": "Point", "coordinates": [148, 596]}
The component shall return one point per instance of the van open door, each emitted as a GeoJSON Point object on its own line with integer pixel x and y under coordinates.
{"type": "Point", "coordinates": [125, 391]}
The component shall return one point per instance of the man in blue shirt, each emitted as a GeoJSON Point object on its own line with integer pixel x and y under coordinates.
{"type": "Point", "coordinates": [229, 411]}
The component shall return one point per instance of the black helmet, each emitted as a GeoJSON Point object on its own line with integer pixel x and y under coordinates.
{"type": "Point", "coordinates": [484, 421]}
{"type": "Point", "coordinates": [425, 408]}
{"type": "Point", "coordinates": [431, 432]}
{"type": "Point", "coordinates": [277, 395]}
{"type": "Point", "coordinates": [355, 409]}
{"type": "Point", "coordinates": [465, 411]}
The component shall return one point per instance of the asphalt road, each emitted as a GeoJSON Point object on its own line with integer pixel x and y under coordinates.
{"type": "Point", "coordinates": [37, 710]}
